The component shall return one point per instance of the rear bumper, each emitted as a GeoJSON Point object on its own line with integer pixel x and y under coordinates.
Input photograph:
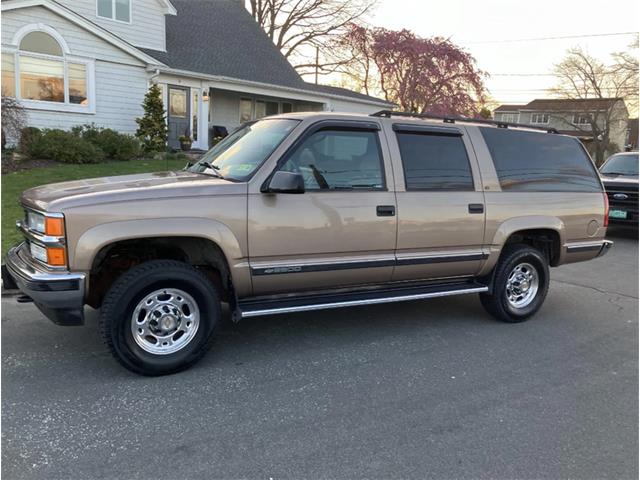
{"type": "Point", "coordinates": [584, 251]}
{"type": "Point", "coordinates": [606, 246]}
{"type": "Point", "coordinates": [59, 295]}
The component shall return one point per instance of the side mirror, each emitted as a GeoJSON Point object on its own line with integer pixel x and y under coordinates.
{"type": "Point", "coordinates": [285, 182]}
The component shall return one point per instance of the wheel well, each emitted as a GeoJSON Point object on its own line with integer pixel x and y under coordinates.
{"type": "Point", "coordinates": [544, 239]}
{"type": "Point", "coordinates": [118, 257]}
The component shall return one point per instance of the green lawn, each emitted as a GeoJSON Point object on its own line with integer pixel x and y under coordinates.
{"type": "Point", "coordinates": [13, 184]}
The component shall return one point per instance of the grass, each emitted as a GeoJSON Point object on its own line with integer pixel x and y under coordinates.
{"type": "Point", "coordinates": [13, 184]}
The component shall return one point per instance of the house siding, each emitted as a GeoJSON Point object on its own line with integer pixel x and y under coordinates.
{"type": "Point", "coordinates": [147, 27]}
{"type": "Point", "coordinates": [120, 79]}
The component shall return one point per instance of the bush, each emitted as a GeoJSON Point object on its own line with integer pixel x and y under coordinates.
{"type": "Point", "coordinates": [116, 146]}
{"type": "Point", "coordinates": [67, 147]}
{"type": "Point", "coordinates": [30, 142]}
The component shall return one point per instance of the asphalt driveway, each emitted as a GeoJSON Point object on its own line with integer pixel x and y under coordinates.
{"type": "Point", "coordinates": [424, 389]}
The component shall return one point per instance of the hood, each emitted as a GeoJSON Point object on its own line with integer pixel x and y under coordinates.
{"type": "Point", "coordinates": [57, 196]}
{"type": "Point", "coordinates": [619, 180]}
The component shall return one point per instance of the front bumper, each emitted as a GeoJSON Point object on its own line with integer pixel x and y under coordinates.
{"type": "Point", "coordinates": [58, 294]}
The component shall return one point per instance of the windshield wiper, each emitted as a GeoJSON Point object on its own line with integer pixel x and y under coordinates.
{"type": "Point", "coordinates": [214, 168]}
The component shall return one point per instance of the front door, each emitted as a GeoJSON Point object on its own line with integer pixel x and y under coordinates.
{"type": "Point", "coordinates": [341, 231]}
{"type": "Point", "coordinates": [178, 115]}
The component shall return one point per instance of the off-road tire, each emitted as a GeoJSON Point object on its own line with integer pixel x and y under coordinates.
{"type": "Point", "coordinates": [497, 303]}
{"type": "Point", "coordinates": [125, 293]}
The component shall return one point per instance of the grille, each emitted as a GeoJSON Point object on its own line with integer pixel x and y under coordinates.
{"type": "Point", "coordinates": [631, 193]}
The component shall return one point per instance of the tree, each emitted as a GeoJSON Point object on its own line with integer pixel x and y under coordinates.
{"type": "Point", "coordinates": [599, 91]}
{"type": "Point", "coordinates": [423, 75]}
{"type": "Point", "coordinates": [13, 120]}
{"type": "Point", "coordinates": [152, 128]}
{"type": "Point", "coordinates": [303, 30]}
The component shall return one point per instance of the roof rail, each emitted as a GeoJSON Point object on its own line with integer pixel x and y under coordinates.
{"type": "Point", "coordinates": [392, 113]}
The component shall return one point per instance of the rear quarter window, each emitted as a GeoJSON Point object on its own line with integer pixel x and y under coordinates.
{"type": "Point", "coordinates": [540, 162]}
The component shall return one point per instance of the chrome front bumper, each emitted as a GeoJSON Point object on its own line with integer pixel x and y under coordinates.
{"type": "Point", "coordinates": [58, 294]}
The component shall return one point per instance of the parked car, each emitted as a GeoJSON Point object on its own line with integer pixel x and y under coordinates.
{"type": "Point", "coordinates": [313, 211]}
{"type": "Point", "coordinates": [620, 178]}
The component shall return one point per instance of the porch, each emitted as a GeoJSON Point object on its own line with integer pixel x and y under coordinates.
{"type": "Point", "coordinates": [203, 112]}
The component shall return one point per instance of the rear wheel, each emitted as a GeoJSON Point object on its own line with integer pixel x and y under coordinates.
{"type": "Point", "coordinates": [520, 285]}
{"type": "Point", "coordinates": [159, 317]}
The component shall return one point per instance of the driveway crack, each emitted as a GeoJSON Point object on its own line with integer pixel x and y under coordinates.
{"type": "Point", "coordinates": [599, 290]}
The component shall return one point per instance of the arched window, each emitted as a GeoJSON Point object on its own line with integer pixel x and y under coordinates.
{"type": "Point", "coordinates": [44, 75]}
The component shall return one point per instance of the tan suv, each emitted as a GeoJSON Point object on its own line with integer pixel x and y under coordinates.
{"type": "Point", "coordinates": [313, 211]}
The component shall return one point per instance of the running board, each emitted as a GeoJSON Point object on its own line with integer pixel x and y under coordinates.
{"type": "Point", "coordinates": [256, 307]}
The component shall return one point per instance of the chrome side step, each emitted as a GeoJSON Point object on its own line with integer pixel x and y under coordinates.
{"type": "Point", "coordinates": [323, 302]}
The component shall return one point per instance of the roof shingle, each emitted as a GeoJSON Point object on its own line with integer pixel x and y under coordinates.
{"type": "Point", "coordinates": [221, 38]}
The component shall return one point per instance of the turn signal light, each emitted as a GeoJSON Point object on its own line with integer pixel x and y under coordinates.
{"type": "Point", "coordinates": [56, 256]}
{"type": "Point", "coordinates": [54, 227]}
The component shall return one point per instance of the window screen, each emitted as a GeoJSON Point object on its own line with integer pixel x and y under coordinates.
{"type": "Point", "coordinates": [434, 162]}
{"type": "Point", "coordinates": [531, 161]}
{"type": "Point", "coordinates": [339, 160]}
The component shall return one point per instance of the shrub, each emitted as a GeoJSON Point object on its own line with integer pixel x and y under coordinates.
{"type": "Point", "coordinates": [13, 120]}
{"type": "Point", "coordinates": [30, 142]}
{"type": "Point", "coordinates": [116, 146]}
{"type": "Point", "coordinates": [68, 147]}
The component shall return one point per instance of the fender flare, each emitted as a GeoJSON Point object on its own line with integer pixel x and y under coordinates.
{"type": "Point", "coordinates": [517, 224]}
{"type": "Point", "coordinates": [529, 222]}
{"type": "Point", "coordinates": [96, 238]}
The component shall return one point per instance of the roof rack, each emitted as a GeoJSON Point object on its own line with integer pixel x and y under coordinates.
{"type": "Point", "coordinates": [392, 113]}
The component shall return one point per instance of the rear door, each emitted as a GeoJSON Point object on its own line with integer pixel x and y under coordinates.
{"type": "Point", "coordinates": [342, 230]}
{"type": "Point", "coordinates": [441, 211]}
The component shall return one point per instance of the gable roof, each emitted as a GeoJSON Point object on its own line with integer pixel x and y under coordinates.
{"type": "Point", "coordinates": [67, 13]}
{"type": "Point", "coordinates": [563, 105]}
{"type": "Point", "coordinates": [569, 104]}
{"type": "Point", "coordinates": [509, 108]}
{"type": "Point", "coordinates": [220, 38]}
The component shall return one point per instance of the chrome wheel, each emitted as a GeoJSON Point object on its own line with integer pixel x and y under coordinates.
{"type": "Point", "coordinates": [522, 285]}
{"type": "Point", "coordinates": [165, 321]}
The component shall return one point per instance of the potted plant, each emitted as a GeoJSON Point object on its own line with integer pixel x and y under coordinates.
{"type": "Point", "coordinates": [185, 142]}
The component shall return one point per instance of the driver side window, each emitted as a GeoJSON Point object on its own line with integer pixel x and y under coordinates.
{"type": "Point", "coordinates": [339, 160]}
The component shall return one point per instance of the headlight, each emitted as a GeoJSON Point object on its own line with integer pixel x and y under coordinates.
{"type": "Point", "coordinates": [49, 225]}
{"type": "Point", "coordinates": [35, 222]}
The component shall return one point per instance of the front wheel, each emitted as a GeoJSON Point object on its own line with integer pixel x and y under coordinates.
{"type": "Point", "coordinates": [520, 284]}
{"type": "Point", "coordinates": [159, 317]}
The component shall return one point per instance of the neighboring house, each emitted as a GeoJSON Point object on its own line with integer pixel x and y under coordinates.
{"type": "Point", "coordinates": [572, 117]}
{"type": "Point", "coordinates": [75, 62]}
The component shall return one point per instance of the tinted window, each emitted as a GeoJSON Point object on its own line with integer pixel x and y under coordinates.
{"type": "Point", "coordinates": [338, 160]}
{"type": "Point", "coordinates": [434, 162]}
{"type": "Point", "coordinates": [531, 161]}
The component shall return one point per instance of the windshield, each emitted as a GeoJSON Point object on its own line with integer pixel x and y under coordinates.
{"type": "Point", "coordinates": [621, 165]}
{"type": "Point", "coordinates": [241, 153]}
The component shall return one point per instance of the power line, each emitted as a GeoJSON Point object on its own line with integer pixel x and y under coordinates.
{"type": "Point", "coordinates": [539, 39]}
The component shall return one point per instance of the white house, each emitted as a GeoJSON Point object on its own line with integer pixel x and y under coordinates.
{"type": "Point", "coordinates": [75, 62]}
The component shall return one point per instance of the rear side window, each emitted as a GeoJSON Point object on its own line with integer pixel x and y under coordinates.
{"type": "Point", "coordinates": [434, 162]}
{"type": "Point", "coordinates": [540, 162]}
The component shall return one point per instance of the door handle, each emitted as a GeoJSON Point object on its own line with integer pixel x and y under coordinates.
{"type": "Point", "coordinates": [385, 210]}
{"type": "Point", "coordinates": [476, 208]}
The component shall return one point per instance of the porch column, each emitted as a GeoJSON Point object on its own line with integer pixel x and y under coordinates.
{"type": "Point", "coordinates": [203, 122]}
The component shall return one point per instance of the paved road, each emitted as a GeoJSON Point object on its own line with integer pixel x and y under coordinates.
{"type": "Point", "coordinates": [425, 389]}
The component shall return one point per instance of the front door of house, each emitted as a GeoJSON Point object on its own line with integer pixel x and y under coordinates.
{"type": "Point", "coordinates": [178, 118]}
